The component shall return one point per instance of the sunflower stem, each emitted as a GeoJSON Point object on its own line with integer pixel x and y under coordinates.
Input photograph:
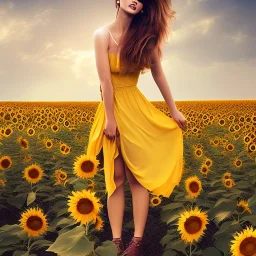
{"type": "Point", "coordinates": [29, 245]}
{"type": "Point", "coordinates": [190, 248]}
{"type": "Point", "coordinates": [86, 228]}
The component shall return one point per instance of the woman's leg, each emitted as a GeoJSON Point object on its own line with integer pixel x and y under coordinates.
{"type": "Point", "coordinates": [140, 203]}
{"type": "Point", "coordinates": [116, 202]}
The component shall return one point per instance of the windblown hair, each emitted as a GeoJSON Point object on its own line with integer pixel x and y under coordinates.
{"type": "Point", "coordinates": [147, 31]}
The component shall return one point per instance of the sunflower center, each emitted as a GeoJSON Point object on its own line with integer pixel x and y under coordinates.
{"type": "Point", "coordinates": [228, 183]}
{"type": "Point", "coordinates": [84, 206]}
{"type": "Point", "coordinates": [5, 163]}
{"type": "Point", "coordinates": [33, 173]}
{"type": "Point", "coordinates": [248, 246]}
{"type": "Point", "coordinates": [23, 143]}
{"type": "Point", "coordinates": [194, 186]}
{"type": "Point", "coordinates": [193, 224]}
{"type": "Point", "coordinates": [226, 177]}
{"type": "Point", "coordinates": [87, 166]}
{"type": "Point", "coordinates": [34, 223]}
{"type": "Point", "coordinates": [240, 209]}
{"type": "Point", "coordinates": [155, 201]}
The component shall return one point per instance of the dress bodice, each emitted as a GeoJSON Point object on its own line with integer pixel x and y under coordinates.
{"type": "Point", "coordinates": [119, 81]}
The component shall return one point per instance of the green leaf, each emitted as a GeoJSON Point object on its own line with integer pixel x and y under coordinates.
{"type": "Point", "coordinates": [17, 201]}
{"type": "Point", "coordinates": [107, 249]}
{"type": "Point", "coordinates": [20, 253]}
{"type": "Point", "coordinates": [169, 253]}
{"type": "Point", "coordinates": [31, 198]}
{"type": "Point", "coordinates": [5, 249]}
{"type": "Point", "coordinates": [214, 182]}
{"type": "Point", "coordinates": [219, 191]}
{"type": "Point", "coordinates": [9, 240]}
{"type": "Point", "coordinates": [167, 239]}
{"type": "Point", "coordinates": [72, 243]}
{"type": "Point", "coordinates": [171, 206]}
{"type": "Point", "coordinates": [222, 200]}
{"type": "Point", "coordinates": [223, 210]}
{"type": "Point", "coordinates": [243, 184]}
{"type": "Point", "coordinates": [252, 200]}
{"type": "Point", "coordinates": [228, 227]}
{"type": "Point", "coordinates": [223, 242]}
{"type": "Point", "coordinates": [251, 218]}
{"type": "Point", "coordinates": [211, 251]}
{"type": "Point", "coordinates": [12, 230]}
{"type": "Point", "coordinates": [40, 244]}
{"type": "Point", "coordinates": [179, 246]}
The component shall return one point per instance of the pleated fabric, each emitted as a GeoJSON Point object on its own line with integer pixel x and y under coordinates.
{"type": "Point", "coordinates": [151, 142]}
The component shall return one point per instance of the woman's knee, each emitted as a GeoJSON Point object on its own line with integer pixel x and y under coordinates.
{"type": "Point", "coordinates": [119, 171]}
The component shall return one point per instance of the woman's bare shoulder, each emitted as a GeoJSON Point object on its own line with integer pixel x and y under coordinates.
{"type": "Point", "coordinates": [102, 30]}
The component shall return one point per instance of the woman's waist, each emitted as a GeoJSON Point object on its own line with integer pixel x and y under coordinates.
{"type": "Point", "coordinates": [124, 87]}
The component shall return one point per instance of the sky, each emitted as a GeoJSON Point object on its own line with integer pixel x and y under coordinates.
{"type": "Point", "coordinates": [46, 50]}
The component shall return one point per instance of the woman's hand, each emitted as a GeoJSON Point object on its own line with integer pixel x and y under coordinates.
{"type": "Point", "coordinates": [179, 118]}
{"type": "Point", "coordinates": [111, 130]}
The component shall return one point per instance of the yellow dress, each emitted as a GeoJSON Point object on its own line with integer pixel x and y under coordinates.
{"type": "Point", "coordinates": [151, 142]}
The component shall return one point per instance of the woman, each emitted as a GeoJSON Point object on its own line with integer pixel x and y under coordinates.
{"type": "Point", "coordinates": [138, 140]}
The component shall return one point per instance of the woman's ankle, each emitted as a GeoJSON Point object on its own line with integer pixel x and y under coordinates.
{"type": "Point", "coordinates": [138, 238]}
{"type": "Point", "coordinates": [117, 238]}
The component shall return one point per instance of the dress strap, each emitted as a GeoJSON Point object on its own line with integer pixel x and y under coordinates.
{"type": "Point", "coordinates": [111, 35]}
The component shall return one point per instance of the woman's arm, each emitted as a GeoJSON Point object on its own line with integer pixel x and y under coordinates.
{"type": "Point", "coordinates": [101, 39]}
{"type": "Point", "coordinates": [161, 81]}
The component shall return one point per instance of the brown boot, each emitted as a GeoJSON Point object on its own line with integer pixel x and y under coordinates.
{"type": "Point", "coordinates": [119, 244]}
{"type": "Point", "coordinates": [134, 248]}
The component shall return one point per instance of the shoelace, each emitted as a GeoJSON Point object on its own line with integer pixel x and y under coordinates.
{"type": "Point", "coordinates": [129, 248]}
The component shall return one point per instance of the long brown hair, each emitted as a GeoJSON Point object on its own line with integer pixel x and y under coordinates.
{"type": "Point", "coordinates": [147, 31]}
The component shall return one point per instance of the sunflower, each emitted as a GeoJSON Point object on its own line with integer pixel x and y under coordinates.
{"type": "Point", "coordinates": [86, 166]}
{"type": "Point", "coordinates": [5, 162]}
{"type": "Point", "coordinates": [33, 173]}
{"type": "Point", "coordinates": [23, 142]}
{"type": "Point", "coordinates": [229, 183]}
{"type": "Point", "coordinates": [8, 131]}
{"type": "Point", "coordinates": [98, 223]}
{"type": "Point", "coordinates": [244, 242]}
{"type": "Point", "coordinates": [198, 152]}
{"type": "Point", "coordinates": [193, 186]}
{"type": "Point", "coordinates": [230, 147]}
{"type": "Point", "coordinates": [156, 200]}
{"type": "Point", "coordinates": [31, 131]}
{"type": "Point", "coordinates": [48, 143]}
{"type": "Point", "coordinates": [84, 206]}
{"type": "Point", "coordinates": [208, 162]}
{"type": "Point", "coordinates": [54, 158]}
{"type": "Point", "coordinates": [2, 183]}
{"type": "Point", "coordinates": [62, 175]}
{"type": "Point", "coordinates": [227, 175]}
{"type": "Point", "coordinates": [192, 224]}
{"type": "Point", "coordinates": [34, 222]}
{"type": "Point", "coordinates": [55, 128]}
{"type": "Point", "coordinates": [243, 206]}
{"type": "Point", "coordinates": [238, 163]}
{"type": "Point", "coordinates": [27, 158]}
{"type": "Point", "coordinates": [91, 186]}
{"type": "Point", "coordinates": [204, 169]}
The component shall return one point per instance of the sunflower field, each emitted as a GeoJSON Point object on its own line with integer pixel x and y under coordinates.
{"type": "Point", "coordinates": [53, 199]}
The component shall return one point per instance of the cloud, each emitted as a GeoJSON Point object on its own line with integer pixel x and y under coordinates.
{"type": "Point", "coordinates": [17, 28]}
{"type": "Point", "coordinates": [213, 31]}
{"type": "Point", "coordinates": [81, 63]}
